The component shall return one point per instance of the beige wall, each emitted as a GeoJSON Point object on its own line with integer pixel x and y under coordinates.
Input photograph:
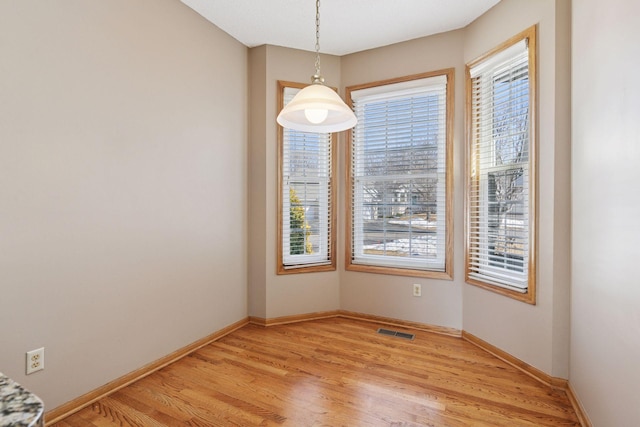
{"type": "Point", "coordinates": [273, 295]}
{"type": "Point", "coordinates": [537, 334]}
{"type": "Point", "coordinates": [605, 318]}
{"type": "Point", "coordinates": [392, 296]}
{"type": "Point", "coordinates": [257, 239]}
{"type": "Point", "coordinates": [123, 124]}
{"type": "Point", "coordinates": [122, 186]}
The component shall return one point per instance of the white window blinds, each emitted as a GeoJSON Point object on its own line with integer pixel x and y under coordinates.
{"type": "Point", "coordinates": [499, 190]}
{"type": "Point", "coordinates": [398, 175]}
{"type": "Point", "coordinates": [306, 195]}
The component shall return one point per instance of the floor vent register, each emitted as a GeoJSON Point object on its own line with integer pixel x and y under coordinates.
{"type": "Point", "coordinates": [398, 334]}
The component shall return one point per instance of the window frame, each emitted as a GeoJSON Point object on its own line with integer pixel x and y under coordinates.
{"type": "Point", "coordinates": [529, 296]}
{"type": "Point", "coordinates": [313, 265]}
{"type": "Point", "coordinates": [447, 272]}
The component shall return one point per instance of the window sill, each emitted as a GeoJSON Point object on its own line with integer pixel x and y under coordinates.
{"type": "Point", "coordinates": [395, 271]}
{"type": "Point", "coordinates": [528, 297]}
{"type": "Point", "coordinates": [315, 268]}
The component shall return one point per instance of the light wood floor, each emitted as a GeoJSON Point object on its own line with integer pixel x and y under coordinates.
{"type": "Point", "coordinates": [332, 372]}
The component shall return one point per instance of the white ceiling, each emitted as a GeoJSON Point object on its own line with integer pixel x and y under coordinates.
{"type": "Point", "coordinates": [346, 26]}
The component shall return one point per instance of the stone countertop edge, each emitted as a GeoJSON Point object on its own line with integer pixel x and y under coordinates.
{"type": "Point", "coordinates": [18, 406]}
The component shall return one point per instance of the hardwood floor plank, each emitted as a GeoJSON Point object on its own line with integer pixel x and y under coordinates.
{"type": "Point", "coordinates": [160, 392]}
{"type": "Point", "coordinates": [333, 372]}
{"type": "Point", "coordinates": [437, 367]}
{"type": "Point", "coordinates": [327, 358]}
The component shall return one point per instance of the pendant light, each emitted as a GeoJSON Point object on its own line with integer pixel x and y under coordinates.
{"type": "Point", "coordinates": [317, 108]}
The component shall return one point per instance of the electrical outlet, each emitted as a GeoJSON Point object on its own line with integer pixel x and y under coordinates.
{"type": "Point", "coordinates": [417, 290]}
{"type": "Point", "coordinates": [35, 360]}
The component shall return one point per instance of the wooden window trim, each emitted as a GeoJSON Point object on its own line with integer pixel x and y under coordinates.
{"type": "Point", "coordinates": [530, 295]}
{"type": "Point", "coordinates": [312, 268]}
{"type": "Point", "coordinates": [447, 274]}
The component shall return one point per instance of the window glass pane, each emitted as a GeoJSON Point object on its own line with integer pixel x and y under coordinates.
{"type": "Point", "coordinates": [507, 219]}
{"type": "Point", "coordinates": [399, 176]}
{"type": "Point", "coordinates": [510, 117]}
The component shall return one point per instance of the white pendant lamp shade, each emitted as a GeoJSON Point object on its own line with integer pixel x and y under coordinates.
{"type": "Point", "coordinates": [317, 108]}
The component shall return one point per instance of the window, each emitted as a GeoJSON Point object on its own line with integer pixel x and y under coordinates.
{"type": "Point", "coordinates": [500, 238]}
{"type": "Point", "coordinates": [306, 219]}
{"type": "Point", "coordinates": [399, 176]}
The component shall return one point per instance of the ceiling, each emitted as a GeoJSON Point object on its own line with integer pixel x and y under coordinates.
{"type": "Point", "coordinates": [346, 26]}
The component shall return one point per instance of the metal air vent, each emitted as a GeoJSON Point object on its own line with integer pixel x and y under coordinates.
{"type": "Point", "coordinates": [398, 334]}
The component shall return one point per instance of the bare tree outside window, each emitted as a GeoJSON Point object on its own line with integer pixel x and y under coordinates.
{"type": "Point", "coordinates": [507, 204]}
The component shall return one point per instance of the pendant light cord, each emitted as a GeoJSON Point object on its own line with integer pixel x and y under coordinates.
{"type": "Point", "coordinates": [317, 78]}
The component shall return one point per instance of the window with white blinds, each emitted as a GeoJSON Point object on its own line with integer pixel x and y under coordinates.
{"type": "Point", "coordinates": [500, 194]}
{"type": "Point", "coordinates": [399, 175]}
{"type": "Point", "coordinates": [306, 197]}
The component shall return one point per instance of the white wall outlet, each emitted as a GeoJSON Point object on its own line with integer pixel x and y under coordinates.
{"type": "Point", "coordinates": [417, 290]}
{"type": "Point", "coordinates": [35, 360]}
